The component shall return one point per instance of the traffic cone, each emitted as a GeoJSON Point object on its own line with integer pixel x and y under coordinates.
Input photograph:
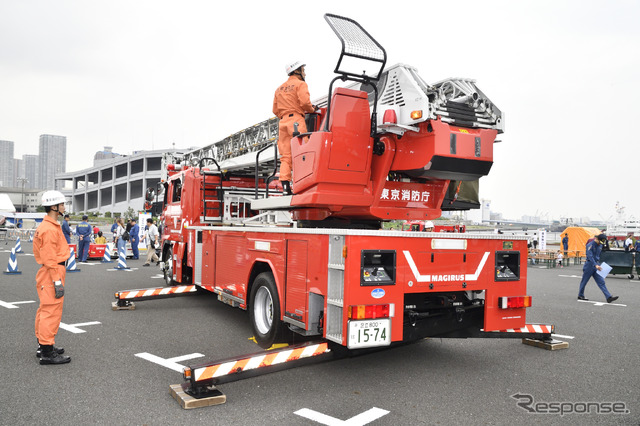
{"type": "Point", "coordinates": [122, 259]}
{"type": "Point", "coordinates": [107, 254]}
{"type": "Point", "coordinates": [71, 262]}
{"type": "Point", "coordinates": [18, 246]}
{"type": "Point", "coordinates": [12, 267]}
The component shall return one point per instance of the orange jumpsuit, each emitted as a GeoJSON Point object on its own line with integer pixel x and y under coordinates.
{"type": "Point", "coordinates": [50, 248]}
{"type": "Point", "coordinates": [290, 103]}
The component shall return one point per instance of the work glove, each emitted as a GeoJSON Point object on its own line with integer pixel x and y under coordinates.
{"type": "Point", "coordinates": [59, 288]}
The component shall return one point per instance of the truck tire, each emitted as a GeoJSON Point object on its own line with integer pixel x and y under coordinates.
{"type": "Point", "coordinates": [265, 311]}
{"type": "Point", "coordinates": [168, 268]}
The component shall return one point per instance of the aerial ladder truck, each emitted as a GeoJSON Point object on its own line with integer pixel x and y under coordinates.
{"type": "Point", "coordinates": [386, 146]}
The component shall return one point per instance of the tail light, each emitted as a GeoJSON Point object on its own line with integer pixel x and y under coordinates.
{"type": "Point", "coordinates": [514, 302]}
{"type": "Point", "coordinates": [358, 312]}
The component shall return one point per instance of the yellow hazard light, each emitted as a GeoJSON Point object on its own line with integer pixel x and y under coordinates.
{"type": "Point", "coordinates": [416, 114]}
{"type": "Point", "coordinates": [186, 373]}
{"type": "Point", "coordinates": [117, 295]}
{"type": "Point", "coordinates": [344, 252]}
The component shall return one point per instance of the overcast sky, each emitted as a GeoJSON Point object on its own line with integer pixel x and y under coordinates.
{"type": "Point", "coordinates": [139, 75]}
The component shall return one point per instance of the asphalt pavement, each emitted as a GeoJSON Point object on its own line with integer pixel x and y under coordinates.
{"type": "Point", "coordinates": [123, 362]}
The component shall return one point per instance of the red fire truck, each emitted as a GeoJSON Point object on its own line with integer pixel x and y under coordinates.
{"type": "Point", "coordinates": [317, 262]}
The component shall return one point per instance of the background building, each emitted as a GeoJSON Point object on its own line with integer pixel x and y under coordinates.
{"type": "Point", "coordinates": [29, 168]}
{"type": "Point", "coordinates": [6, 163]}
{"type": "Point", "coordinates": [113, 185]}
{"type": "Point", "coordinates": [52, 159]}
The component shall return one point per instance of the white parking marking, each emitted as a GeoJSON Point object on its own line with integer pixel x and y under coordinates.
{"type": "Point", "coordinates": [12, 304]}
{"type": "Point", "coordinates": [171, 363]}
{"type": "Point", "coordinates": [74, 328]}
{"type": "Point", "coordinates": [601, 303]}
{"type": "Point", "coordinates": [359, 420]}
{"type": "Point", "coordinates": [561, 336]}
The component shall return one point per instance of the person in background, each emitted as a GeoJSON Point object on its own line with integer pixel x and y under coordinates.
{"type": "Point", "coordinates": [559, 258]}
{"type": "Point", "coordinates": [95, 231]}
{"type": "Point", "coordinates": [565, 243]}
{"type": "Point", "coordinates": [121, 244]}
{"type": "Point", "coordinates": [100, 239]}
{"type": "Point", "coordinates": [66, 229]}
{"type": "Point", "coordinates": [629, 243]}
{"type": "Point", "coordinates": [114, 228]}
{"type": "Point", "coordinates": [151, 239]}
{"type": "Point", "coordinates": [84, 231]}
{"type": "Point", "coordinates": [591, 268]}
{"type": "Point", "coordinates": [428, 226]}
{"type": "Point", "coordinates": [51, 250]}
{"type": "Point", "coordinates": [134, 233]}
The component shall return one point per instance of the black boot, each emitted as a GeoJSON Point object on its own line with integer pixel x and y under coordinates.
{"type": "Point", "coordinates": [39, 351]}
{"type": "Point", "coordinates": [286, 188]}
{"type": "Point", "coordinates": [50, 356]}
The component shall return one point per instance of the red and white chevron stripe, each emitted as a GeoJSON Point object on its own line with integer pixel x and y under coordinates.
{"type": "Point", "coordinates": [531, 328]}
{"type": "Point", "coordinates": [258, 361]}
{"type": "Point", "coordinates": [160, 291]}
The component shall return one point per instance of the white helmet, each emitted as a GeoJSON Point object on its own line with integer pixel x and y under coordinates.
{"type": "Point", "coordinates": [53, 198]}
{"type": "Point", "coordinates": [428, 224]}
{"type": "Point", "coordinates": [294, 66]}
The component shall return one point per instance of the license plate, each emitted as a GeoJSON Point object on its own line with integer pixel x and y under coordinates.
{"type": "Point", "coordinates": [369, 333]}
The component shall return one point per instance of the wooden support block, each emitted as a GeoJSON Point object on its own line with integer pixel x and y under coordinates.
{"type": "Point", "coordinates": [552, 345]}
{"type": "Point", "coordinates": [187, 401]}
{"type": "Point", "coordinates": [130, 307]}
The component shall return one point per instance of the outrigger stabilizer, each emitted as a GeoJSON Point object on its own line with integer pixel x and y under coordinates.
{"type": "Point", "coordinates": [125, 299]}
{"type": "Point", "coordinates": [199, 389]}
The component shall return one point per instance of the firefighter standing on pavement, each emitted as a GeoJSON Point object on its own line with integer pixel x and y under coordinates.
{"type": "Point", "coordinates": [50, 250]}
{"type": "Point", "coordinates": [84, 231]}
{"type": "Point", "coordinates": [290, 102]}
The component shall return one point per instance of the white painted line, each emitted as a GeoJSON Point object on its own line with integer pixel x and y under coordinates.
{"type": "Point", "coordinates": [563, 336]}
{"type": "Point", "coordinates": [12, 304]}
{"type": "Point", "coordinates": [601, 303]}
{"type": "Point", "coordinates": [185, 357]}
{"type": "Point", "coordinates": [169, 363]}
{"type": "Point", "coordinates": [74, 328]}
{"type": "Point", "coordinates": [570, 276]}
{"type": "Point", "coordinates": [359, 420]}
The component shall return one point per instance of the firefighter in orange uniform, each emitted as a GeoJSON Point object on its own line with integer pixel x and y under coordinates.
{"type": "Point", "coordinates": [290, 102]}
{"type": "Point", "coordinates": [50, 250]}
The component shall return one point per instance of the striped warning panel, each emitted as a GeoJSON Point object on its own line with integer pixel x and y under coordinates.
{"type": "Point", "coordinates": [160, 291]}
{"type": "Point", "coordinates": [531, 328]}
{"type": "Point", "coordinates": [258, 361]}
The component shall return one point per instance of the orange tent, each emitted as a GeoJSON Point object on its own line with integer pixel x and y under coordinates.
{"type": "Point", "coordinates": [578, 237]}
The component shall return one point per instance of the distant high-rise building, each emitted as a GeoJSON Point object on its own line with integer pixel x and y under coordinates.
{"type": "Point", "coordinates": [18, 172]}
{"type": "Point", "coordinates": [29, 167]}
{"type": "Point", "coordinates": [6, 163]}
{"type": "Point", "coordinates": [52, 159]}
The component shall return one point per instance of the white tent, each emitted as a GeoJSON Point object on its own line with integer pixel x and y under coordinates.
{"type": "Point", "coordinates": [6, 206]}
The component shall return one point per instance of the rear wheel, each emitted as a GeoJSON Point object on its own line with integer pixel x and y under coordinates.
{"type": "Point", "coordinates": [168, 267]}
{"type": "Point", "coordinates": [265, 311]}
